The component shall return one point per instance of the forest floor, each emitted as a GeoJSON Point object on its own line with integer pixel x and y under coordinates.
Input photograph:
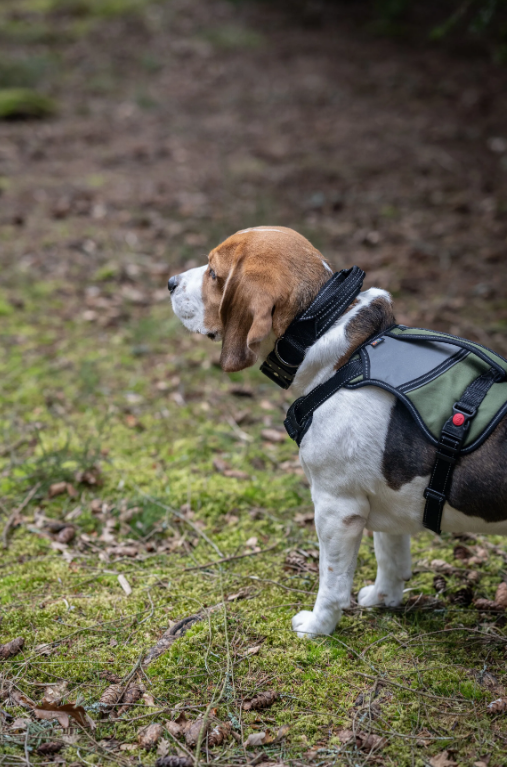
{"type": "Point", "coordinates": [139, 485]}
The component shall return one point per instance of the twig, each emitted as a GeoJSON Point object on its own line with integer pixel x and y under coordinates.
{"type": "Point", "coordinates": [10, 521]}
{"type": "Point", "coordinates": [230, 559]}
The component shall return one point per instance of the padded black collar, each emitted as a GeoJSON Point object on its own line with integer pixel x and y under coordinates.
{"type": "Point", "coordinates": [332, 300]}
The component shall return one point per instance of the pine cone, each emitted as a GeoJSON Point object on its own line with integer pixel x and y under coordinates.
{"type": "Point", "coordinates": [150, 735]}
{"type": "Point", "coordinates": [51, 747]}
{"type": "Point", "coordinates": [11, 648]}
{"type": "Point", "coordinates": [439, 583]}
{"type": "Point", "coordinates": [110, 677]}
{"type": "Point", "coordinates": [219, 733]}
{"type": "Point", "coordinates": [463, 597]}
{"type": "Point", "coordinates": [497, 706]}
{"type": "Point", "coordinates": [501, 595]}
{"type": "Point", "coordinates": [111, 696]}
{"type": "Point", "coordinates": [174, 761]}
{"type": "Point", "coordinates": [66, 535]}
{"type": "Point", "coordinates": [263, 700]}
{"type": "Point", "coordinates": [132, 695]}
{"type": "Point", "coordinates": [462, 552]}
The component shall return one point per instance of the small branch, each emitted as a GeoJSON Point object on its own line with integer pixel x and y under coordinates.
{"type": "Point", "coordinates": [230, 559]}
{"type": "Point", "coordinates": [12, 518]}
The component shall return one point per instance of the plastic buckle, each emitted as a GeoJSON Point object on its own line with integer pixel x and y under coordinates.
{"type": "Point", "coordinates": [468, 412]}
{"type": "Point", "coordinates": [434, 495]}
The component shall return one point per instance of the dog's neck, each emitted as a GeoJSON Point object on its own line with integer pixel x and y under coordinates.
{"type": "Point", "coordinates": [338, 343]}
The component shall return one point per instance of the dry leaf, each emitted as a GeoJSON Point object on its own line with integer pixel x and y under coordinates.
{"type": "Point", "coordinates": [20, 699]}
{"type": "Point", "coordinates": [133, 693]}
{"type": "Point", "coordinates": [62, 713]}
{"type": "Point", "coordinates": [219, 733]}
{"type": "Point", "coordinates": [66, 534]}
{"type": "Point", "coordinates": [110, 697]}
{"type": "Point", "coordinates": [501, 595]}
{"type": "Point", "coordinates": [193, 730]}
{"type": "Point", "coordinates": [51, 747]}
{"type": "Point", "coordinates": [55, 692]}
{"type": "Point", "coordinates": [220, 465]}
{"type": "Point", "coordinates": [110, 677]}
{"type": "Point", "coordinates": [364, 741]}
{"type": "Point", "coordinates": [20, 724]}
{"type": "Point", "coordinates": [235, 474]}
{"type": "Point", "coordinates": [488, 604]}
{"type": "Point", "coordinates": [253, 650]}
{"type": "Point", "coordinates": [282, 733]}
{"type": "Point", "coordinates": [442, 760]}
{"type": "Point", "coordinates": [149, 736]}
{"type": "Point", "coordinates": [129, 747]}
{"type": "Point", "coordinates": [90, 476]}
{"type": "Point", "coordinates": [306, 518]}
{"type": "Point", "coordinates": [148, 699]}
{"type": "Point", "coordinates": [497, 706]}
{"type": "Point", "coordinates": [174, 761]}
{"type": "Point", "coordinates": [11, 648]}
{"type": "Point", "coordinates": [262, 700]}
{"type": "Point", "coordinates": [125, 585]}
{"type": "Point", "coordinates": [255, 739]}
{"type": "Point", "coordinates": [58, 488]}
{"type": "Point", "coordinates": [273, 435]}
{"type": "Point", "coordinates": [442, 565]}
{"type": "Point", "coordinates": [122, 550]}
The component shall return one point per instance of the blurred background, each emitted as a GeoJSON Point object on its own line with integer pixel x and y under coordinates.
{"type": "Point", "coordinates": [135, 135]}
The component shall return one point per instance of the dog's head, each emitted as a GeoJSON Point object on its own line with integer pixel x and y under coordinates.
{"type": "Point", "coordinates": [252, 287]}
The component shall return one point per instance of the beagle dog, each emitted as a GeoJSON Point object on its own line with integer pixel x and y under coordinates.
{"type": "Point", "coordinates": [365, 458]}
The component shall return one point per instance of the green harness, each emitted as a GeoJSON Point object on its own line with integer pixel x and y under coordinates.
{"type": "Point", "coordinates": [455, 389]}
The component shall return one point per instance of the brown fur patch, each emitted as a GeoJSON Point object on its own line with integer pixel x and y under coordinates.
{"type": "Point", "coordinates": [371, 319]}
{"type": "Point", "coordinates": [353, 519]}
{"type": "Point", "coordinates": [264, 279]}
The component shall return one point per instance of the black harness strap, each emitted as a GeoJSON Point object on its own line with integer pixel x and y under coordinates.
{"type": "Point", "coordinates": [282, 364]}
{"type": "Point", "coordinates": [451, 441]}
{"type": "Point", "coordinates": [300, 413]}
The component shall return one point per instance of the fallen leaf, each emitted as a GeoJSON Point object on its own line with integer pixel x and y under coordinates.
{"type": "Point", "coordinates": [20, 699]}
{"type": "Point", "coordinates": [255, 739]}
{"type": "Point", "coordinates": [62, 713]}
{"type": "Point", "coordinates": [424, 738]}
{"type": "Point", "coordinates": [11, 648]}
{"type": "Point", "coordinates": [253, 650]}
{"type": "Point", "coordinates": [149, 736]}
{"type": "Point", "coordinates": [252, 542]}
{"type": "Point", "coordinates": [501, 595]}
{"type": "Point", "coordinates": [110, 677]}
{"type": "Point", "coordinates": [90, 476]}
{"type": "Point", "coordinates": [148, 699]}
{"type": "Point", "coordinates": [304, 518]}
{"type": "Point", "coordinates": [235, 474]}
{"type": "Point", "coordinates": [442, 760]}
{"type": "Point", "coordinates": [282, 733]}
{"type": "Point", "coordinates": [55, 692]}
{"type": "Point", "coordinates": [262, 700]}
{"type": "Point", "coordinates": [441, 564]}
{"type": "Point", "coordinates": [220, 465]}
{"type": "Point", "coordinates": [125, 585]}
{"type": "Point", "coordinates": [488, 605]}
{"type": "Point", "coordinates": [129, 747]}
{"type": "Point", "coordinates": [20, 723]}
{"type": "Point", "coordinates": [273, 435]}
{"type": "Point", "coordinates": [497, 706]}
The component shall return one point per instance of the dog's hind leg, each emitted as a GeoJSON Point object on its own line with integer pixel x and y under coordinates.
{"type": "Point", "coordinates": [340, 523]}
{"type": "Point", "coordinates": [393, 563]}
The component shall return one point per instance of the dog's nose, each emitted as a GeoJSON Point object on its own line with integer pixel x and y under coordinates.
{"type": "Point", "coordinates": [173, 283]}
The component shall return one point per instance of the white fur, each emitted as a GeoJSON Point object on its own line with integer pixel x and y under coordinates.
{"type": "Point", "coordinates": [187, 300]}
{"type": "Point", "coordinates": [341, 454]}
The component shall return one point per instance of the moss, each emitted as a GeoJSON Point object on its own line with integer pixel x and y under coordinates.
{"type": "Point", "coordinates": [24, 103]}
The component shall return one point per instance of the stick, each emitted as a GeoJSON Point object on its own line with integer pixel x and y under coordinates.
{"type": "Point", "coordinates": [230, 559]}
{"type": "Point", "coordinates": [10, 521]}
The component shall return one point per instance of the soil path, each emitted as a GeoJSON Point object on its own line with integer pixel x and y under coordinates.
{"type": "Point", "coordinates": [189, 120]}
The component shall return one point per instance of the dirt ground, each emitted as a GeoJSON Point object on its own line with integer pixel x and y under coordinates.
{"type": "Point", "coordinates": [177, 124]}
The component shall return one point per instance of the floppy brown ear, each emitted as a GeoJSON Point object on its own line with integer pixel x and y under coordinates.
{"type": "Point", "coordinates": [246, 312]}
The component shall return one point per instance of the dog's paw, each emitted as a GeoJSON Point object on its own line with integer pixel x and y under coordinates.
{"type": "Point", "coordinates": [308, 626]}
{"type": "Point", "coordinates": [369, 596]}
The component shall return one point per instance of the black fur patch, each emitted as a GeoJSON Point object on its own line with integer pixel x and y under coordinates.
{"type": "Point", "coordinates": [479, 483]}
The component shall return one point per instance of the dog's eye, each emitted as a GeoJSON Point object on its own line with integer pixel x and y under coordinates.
{"type": "Point", "coordinates": [212, 274]}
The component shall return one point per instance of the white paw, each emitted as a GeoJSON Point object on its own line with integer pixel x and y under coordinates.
{"type": "Point", "coordinates": [308, 626]}
{"type": "Point", "coordinates": [369, 596]}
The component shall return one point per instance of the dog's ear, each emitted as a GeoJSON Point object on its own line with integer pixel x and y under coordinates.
{"type": "Point", "coordinates": [246, 312]}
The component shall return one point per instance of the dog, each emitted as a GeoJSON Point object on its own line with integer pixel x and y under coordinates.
{"type": "Point", "coordinates": [366, 460]}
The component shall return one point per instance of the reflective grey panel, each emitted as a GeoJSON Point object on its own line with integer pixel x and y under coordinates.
{"type": "Point", "coordinates": [397, 362]}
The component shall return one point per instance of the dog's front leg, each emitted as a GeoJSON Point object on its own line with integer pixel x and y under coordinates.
{"type": "Point", "coordinates": [339, 523]}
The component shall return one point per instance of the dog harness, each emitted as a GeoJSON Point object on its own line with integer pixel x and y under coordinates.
{"type": "Point", "coordinates": [456, 390]}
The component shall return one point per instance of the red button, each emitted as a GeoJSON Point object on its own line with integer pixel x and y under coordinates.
{"type": "Point", "coordinates": [458, 419]}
